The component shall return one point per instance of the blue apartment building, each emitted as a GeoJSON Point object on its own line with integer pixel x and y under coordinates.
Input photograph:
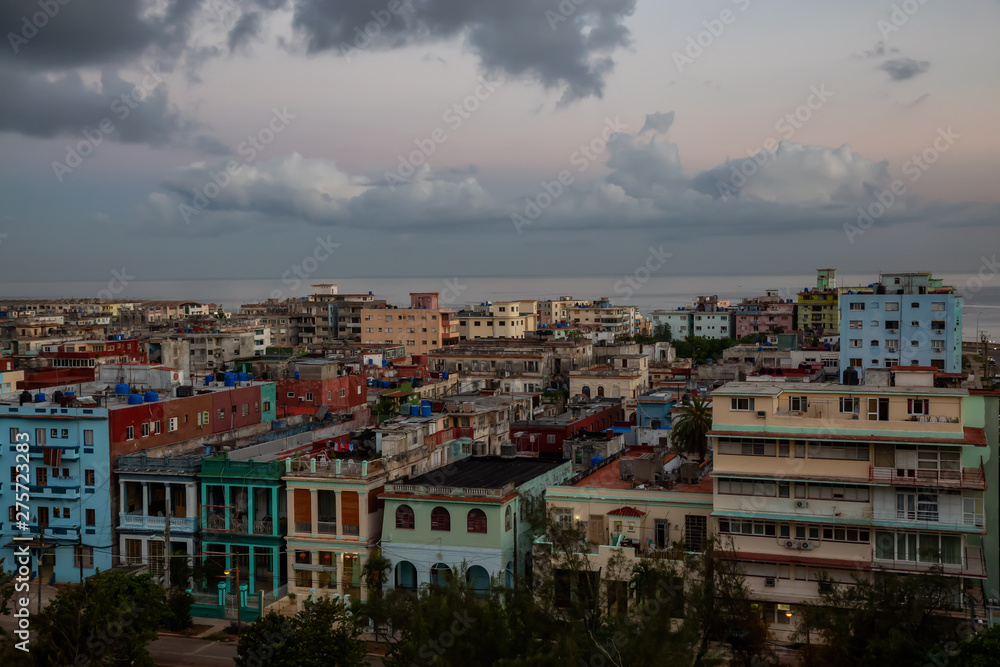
{"type": "Point", "coordinates": [69, 488]}
{"type": "Point", "coordinates": [905, 319]}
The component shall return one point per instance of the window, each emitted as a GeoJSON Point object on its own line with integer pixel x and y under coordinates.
{"type": "Point", "coordinates": [156, 427]}
{"type": "Point", "coordinates": [748, 487]}
{"type": "Point", "coordinates": [854, 342]}
{"type": "Point", "coordinates": [91, 517]}
{"type": "Point", "coordinates": [891, 306]}
{"type": "Point", "coordinates": [915, 304]}
{"type": "Point", "coordinates": [476, 521]}
{"type": "Point", "coordinates": [129, 432]}
{"type": "Point", "coordinates": [440, 519]}
{"type": "Point", "coordinates": [855, 362]}
{"type": "Point", "coordinates": [849, 404]}
{"type": "Point", "coordinates": [88, 477]}
{"type": "Point", "coordinates": [741, 527]}
{"type": "Point", "coordinates": [798, 403]}
{"type": "Point", "coordinates": [309, 396]}
{"type": "Point", "coordinates": [133, 552]}
{"type": "Point", "coordinates": [937, 305]}
{"type": "Point", "coordinates": [83, 556]}
{"type": "Point", "coordinates": [172, 424]}
{"type": "Point", "coordinates": [246, 410]}
{"type": "Point", "coordinates": [838, 534]}
{"type": "Point", "coordinates": [267, 405]}
{"type": "Point", "coordinates": [847, 451]}
{"type": "Point", "coordinates": [145, 429]}
{"type": "Point", "coordinates": [221, 413]}
{"type": "Point", "coordinates": [917, 406]}
{"type": "Point", "coordinates": [741, 404]}
{"type": "Point", "coordinates": [404, 517]}
{"type": "Point", "coordinates": [507, 519]}
{"type": "Point", "coordinates": [856, 324]}
{"type": "Point", "coordinates": [873, 343]}
{"type": "Point", "coordinates": [64, 433]}
{"type": "Point", "coordinates": [857, 305]}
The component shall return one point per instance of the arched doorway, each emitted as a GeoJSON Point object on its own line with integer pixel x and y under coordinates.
{"type": "Point", "coordinates": [440, 574]}
{"type": "Point", "coordinates": [600, 390]}
{"type": "Point", "coordinates": [406, 575]}
{"type": "Point", "coordinates": [585, 391]}
{"type": "Point", "coordinates": [478, 579]}
{"type": "Point", "coordinates": [508, 575]}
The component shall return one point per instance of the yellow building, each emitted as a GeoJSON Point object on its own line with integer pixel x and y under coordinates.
{"type": "Point", "coordinates": [818, 309]}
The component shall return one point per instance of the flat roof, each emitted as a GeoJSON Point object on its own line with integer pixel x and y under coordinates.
{"type": "Point", "coordinates": [776, 389]}
{"type": "Point", "coordinates": [487, 472]}
{"type": "Point", "coordinates": [609, 476]}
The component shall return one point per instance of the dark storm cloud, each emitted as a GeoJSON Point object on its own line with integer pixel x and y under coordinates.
{"type": "Point", "coordinates": [566, 49]}
{"type": "Point", "coordinates": [901, 69]}
{"type": "Point", "coordinates": [94, 32]}
{"type": "Point", "coordinates": [37, 106]}
{"type": "Point", "coordinates": [246, 29]}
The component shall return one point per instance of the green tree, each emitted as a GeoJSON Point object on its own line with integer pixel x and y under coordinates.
{"type": "Point", "coordinates": [888, 621]}
{"type": "Point", "coordinates": [690, 429]}
{"type": "Point", "coordinates": [108, 620]}
{"type": "Point", "coordinates": [982, 650]}
{"type": "Point", "coordinates": [662, 333]}
{"type": "Point", "coordinates": [323, 634]}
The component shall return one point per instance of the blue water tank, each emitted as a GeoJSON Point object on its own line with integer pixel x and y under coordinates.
{"type": "Point", "coordinates": [296, 375]}
{"type": "Point", "coordinates": [278, 423]}
{"type": "Point", "coordinates": [414, 410]}
{"type": "Point", "coordinates": [385, 384]}
{"type": "Point", "coordinates": [385, 363]}
{"type": "Point", "coordinates": [371, 362]}
{"type": "Point", "coordinates": [209, 378]}
{"type": "Point", "coordinates": [425, 410]}
{"type": "Point", "coordinates": [444, 375]}
{"type": "Point", "coordinates": [135, 399]}
{"type": "Point", "coordinates": [150, 397]}
{"type": "Point", "coordinates": [39, 398]}
{"type": "Point", "coordinates": [121, 389]}
{"type": "Point", "coordinates": [69, 393]}
{"type": "Point", "coordinates": [229, 379]}
{"type": "Point", "coordinates": [243, 377]}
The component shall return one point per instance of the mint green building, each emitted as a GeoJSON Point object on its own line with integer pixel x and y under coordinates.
{"type": "Point", "coordinates": [470, 513]}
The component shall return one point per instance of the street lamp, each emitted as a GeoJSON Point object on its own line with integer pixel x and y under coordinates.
{"type": "Point", "coordinates": [238, 622]}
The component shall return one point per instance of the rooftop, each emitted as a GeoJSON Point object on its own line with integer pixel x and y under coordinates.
{"type": "Point", "coordinates": [760, 389]}
{"type": "Point", "coordinates": [487, 472]}
{"type": "Point", "coordinates": [609, 477]}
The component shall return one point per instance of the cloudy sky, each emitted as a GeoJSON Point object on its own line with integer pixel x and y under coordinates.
{"type": "Point", "coordinates": [220, 139]}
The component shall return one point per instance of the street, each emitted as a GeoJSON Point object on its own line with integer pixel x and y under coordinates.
{"type": "Point", "coordinates": [171, 651]}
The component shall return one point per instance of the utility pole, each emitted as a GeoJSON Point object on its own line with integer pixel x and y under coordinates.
{"type": "Point", "coordinates": [166, 540]}
{"type": "Point", "coordinates": [79, 555]}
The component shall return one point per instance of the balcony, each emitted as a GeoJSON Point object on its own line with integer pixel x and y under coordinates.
{"type": "Point", "coordinates": [70, 491]}
{"type": "Point", "coordinates": [965, 478]}
{"type": "Point", "coordinates": [973, 564]}
{"type": "Point", "coordinates": [426, 489]}
{"type": "Point", "coordinates": [929, 520]}
{"type": "Point", "coordinates": [145, 522]}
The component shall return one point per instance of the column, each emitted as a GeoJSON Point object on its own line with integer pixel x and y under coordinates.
{"type": "Point", "coordinates": [225, 512]}
{"type": "Point", "coordinates": [145, 498]}
{"type": "Point", "coordinates": [250, 516]}
{"type": "Point", "coordinates": [340, 558]}
{"type": "Point", "coordinates": [122, 495]}
{"type": "Point", "coordinates": [314, 511]}
{"type": "Point", "coordinates": [290, 504]}
{"type": "Point", "coordinates": [340, 523]}
{"type": "Point", "coordinates": [191, 509]}
{"type": "Point", "coordinates": [362, 516]}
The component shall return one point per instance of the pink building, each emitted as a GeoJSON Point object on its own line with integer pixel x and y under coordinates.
{"type": "Point", "coordinates": [753, 318]}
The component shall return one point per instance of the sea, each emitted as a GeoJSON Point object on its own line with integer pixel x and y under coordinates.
{"type": "Point", "coordinates": [981, 306]}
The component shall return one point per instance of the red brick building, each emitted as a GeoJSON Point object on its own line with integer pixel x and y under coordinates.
{"type": "Point", "coordinates": [545, 435]}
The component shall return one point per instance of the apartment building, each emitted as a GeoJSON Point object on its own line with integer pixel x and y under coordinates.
{"type": "Point", "coordinates": [604, 316]}
{"type": "Point", "coordinates": [422, 327]}
{"type": "Point", "coordinates": [818, 308]}
{"type": "Point", "coordinates": [905, 319]}
{"type": "Point", "coordinates": [755, 316]}
{"type": "Point", "coordinates": [8, 376]}
{"type": "Point", "coordinates": [335, 521]}
{"type": "Point", "coordinates": [851, 480]}
{"type": "Point", "coordinates": [502, 319]}
{"type": "Point", "coordinates": [623, 376]}
{"type": "Point", "coordinates": [708, 317]}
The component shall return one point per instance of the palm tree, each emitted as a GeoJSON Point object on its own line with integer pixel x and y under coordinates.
{"type": "Point", "coordinates": [690, 429]}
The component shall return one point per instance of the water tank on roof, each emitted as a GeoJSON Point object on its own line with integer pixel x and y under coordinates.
{"type": "Point", "coordinates": [384, 363]}
{"type": "Point", "coordinates": [229, 379]}
{"type": "Point", "coordinates": [243, 377]}
{"type": "Point", "coordinates": [444, 375]}
{"type": "Point", "coordinates": [296, 375]}
{"type": "Point", "coordinates": [851, 377]}
{"type": "Point", "coordinates": [414, 410]}
{"type": "Point", "coordinates": [69, 393]}
{"type": "Point", "coordinates": [425, 410]}
{"type": "Point", "coordinates": [135, 399]}
{"type": "Point", "coordinates": [150, 397]}
{"type": "Point", "coordinates": [121, 389]}
{"type": "Point", "coordinates": [39, 398]}
{"type": "Point", "coordinates": [209, 378]}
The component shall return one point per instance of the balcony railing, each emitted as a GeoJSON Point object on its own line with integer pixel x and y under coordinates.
{"type": "Point", "coordinates": [973, 564]}
{"type": "Point", "coordinates": [426, 489]}
{"type": "Point", "coordinates": [352, 530]}
{"type": "Point", "coordinates": [326, 527]}
{"type": "Point", "coordinates": [927, 519]}
{"type": "Point", "coordinates": [144, 521]}
{"type": "Point", "coordinates": [964, 478]}
{"type": "Point", "coordinates": [303, 526]}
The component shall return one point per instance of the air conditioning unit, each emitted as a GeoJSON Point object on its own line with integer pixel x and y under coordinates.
{"type": "Point", "coordinates": [801, 505]}
{"type": "Point", "coordinates": [761, 413]}
{"type": "Point", "coordinates": [302, 399]}
{"type": "Point", "coordinates": [791, 544]}
{"type": "Point", "coordinates": [769, 582]}
{"type": "Point", "coordinates": [806, 546]}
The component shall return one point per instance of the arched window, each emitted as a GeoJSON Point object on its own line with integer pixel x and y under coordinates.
{"type": "Point", "coordinates": [476, 521]}
{"type": "Point", "coordinates": [406, 575]}
{"type": "Point", "coordinates": [600, 390]}
{"type": "Point", "coordinates": [507, 519]}
{"type": "Point", "coordinates": [616, 392]}
{"type": "Point", "coordinates": [585, 391]}
{"type": "Point", "coordinates": [440, 519]}
{"type": "Point", "coordinates": [404, 517]}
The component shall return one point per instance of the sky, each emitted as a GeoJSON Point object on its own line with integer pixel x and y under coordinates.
{"type": "Point", "coordinates": [207, 139]}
